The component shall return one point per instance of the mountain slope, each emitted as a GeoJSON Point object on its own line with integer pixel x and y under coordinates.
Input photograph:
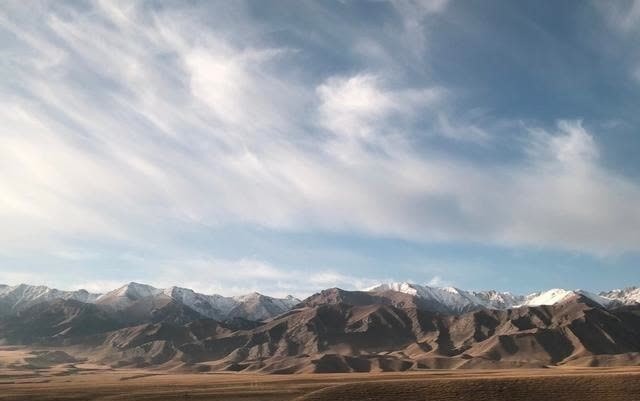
{"type": "Point", "coordinates": [211, 306]}
{"type": "Point", "coordinates": [447, 300]}
{"type": "Point", "coordinates": [337, 337]}
{"type": "Point", "coordinates": [498, 300]}
{"type": "Point", "coordinates": [57, 322]}
{"type": "Point", "coordinates": [16, 298]}
{"type": "Point", "coordinates": [453, 300]}
{"type": "Point", "coordinates": [251, 306]}
{"type": "Point", "coordinates": [335, 331]}
{"type": "Point", "coordinates": [127, 295]}
{"type": "Point", "coordinates": [256, 306]}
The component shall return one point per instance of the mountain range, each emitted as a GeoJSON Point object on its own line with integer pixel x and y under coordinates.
{"type": "Point", "coordinates": [389, 327]}
{"type": "Point", "coordinates": [141, 298]}
{"type": "Point", "coordinates": [256, 306]}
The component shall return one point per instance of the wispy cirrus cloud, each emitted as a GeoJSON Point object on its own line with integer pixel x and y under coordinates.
{"type": "Point", "coordinates": [178, 127]}
{"type": "Point", "coordinates": [235, 277]}
{"type": "Point", "coordinates": [125, 123]}
{"type": "Point", "coordinates": [624, 19]}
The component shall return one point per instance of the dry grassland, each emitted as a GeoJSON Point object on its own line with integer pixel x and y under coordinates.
{"type": "Point", "coordinates": [42, 379]}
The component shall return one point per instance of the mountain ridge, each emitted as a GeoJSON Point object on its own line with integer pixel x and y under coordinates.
{"type": "Point", "coordinates": [253, 306]}
{"type": "Point", "coordinates": [338, 331]}
{"type": "Point", "coordinates": [256, 306]}
{"type": "Point", "coordinates": [394, 327]}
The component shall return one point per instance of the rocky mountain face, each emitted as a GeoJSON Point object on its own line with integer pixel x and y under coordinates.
{"type": "Point", "coordinates": [392, 328]}
{"type": "Point", "coordinates": [16, 298]}
{"type": "Point", "coordinates": [139, 302]}
{"type": "Point", "coordinates": [54, 322]}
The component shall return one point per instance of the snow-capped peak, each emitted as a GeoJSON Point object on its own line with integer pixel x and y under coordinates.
{"type": "Point", "coordinates": [549, 297]}
{"type": "Point", "coordinates": [627, 296]}
{"type": "Point", "coordinates": [493, 299]}
{"type": "Point", "coordinates": [22, 296]}
{"type": "Point", "coordinates": [457, 300]}
{"type": "Point", "coordinates": [132, 291]}
{"type": "Point", "coordinates": [211, 306]}
{"type": "Point", "coordinates": [4, 288]}
{"type": "Point", "coordinates": [452, 290]}
{"type": "Point", "coordinates": [126, 295]}
{"type": "Point", "coordinates": [256, 306]}
{"type": "Point", "coordinates": [448, 299]}
{"type": "Point", "coordinates": [558, 295]}
{"type": "Point", "coordinates": [290, 301]}
{"type": "Point", "coordinates": [252, 296]}
{"type": "Point", "coordinates": [249, 306]}
{"type": "Point", "coordinates": [407, 288]}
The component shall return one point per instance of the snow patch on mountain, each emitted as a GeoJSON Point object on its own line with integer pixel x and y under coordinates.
{"type": "Point", "coordinates": [22, 296]}
{"type": "Point", "coordinates": [447, 299]}
{"type": "Point", "coordinates": [212, 306]}
{"type": "Point", "coordinates": [125, 296]}
{"type": "Point", "coordinates": [256, 306]}
{"type": "Point", "coordinates": [493, 299]}
{"type": "Point", "coordinates": [558, 295]}
{"type": "Point", "coordinates": [457, 300]}
{"type": "Point", "coordinates": [549, 297]}
{"type": "Point", "coordinates": [627, 296]}
{"type": "Point", "coordinates": [3, 288]}
{"type": "Point", "coordinates": [251, 306]}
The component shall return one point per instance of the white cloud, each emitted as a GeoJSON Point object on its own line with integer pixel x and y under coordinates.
{"type": "Point", "coordinates": [330, 279]}
{"type": "Point", "coordinates": [360, 107]}
{"type": "Point", "coordinates": [157, 121]}
{"type": "Point", "coordinates": [576, 145]}
{"type": "Point", "coordinates": [231, 277]}
{"type": "Point", "coordinates": [437, 281]}
{"type": "Point", "coordinates": [353, 106]}
{"type": "Point", "coordinates": [573, 145]}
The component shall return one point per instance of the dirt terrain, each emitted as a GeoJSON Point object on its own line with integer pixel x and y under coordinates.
{"type": "Point", "coordinates": [29, 376]}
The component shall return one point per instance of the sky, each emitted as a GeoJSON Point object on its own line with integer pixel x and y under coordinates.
{"type": "Point", "coordinates": [290, 146]}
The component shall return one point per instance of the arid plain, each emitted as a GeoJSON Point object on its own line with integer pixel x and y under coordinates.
{"type": "Point", "coordinates": [60, 381]}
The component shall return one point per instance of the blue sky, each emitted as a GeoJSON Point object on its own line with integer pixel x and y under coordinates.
{"type": "Point", "coordinates": [288, 146]}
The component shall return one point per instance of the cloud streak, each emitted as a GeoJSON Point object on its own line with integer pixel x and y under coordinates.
{"type": "Point", "coordinates": [123, 123]}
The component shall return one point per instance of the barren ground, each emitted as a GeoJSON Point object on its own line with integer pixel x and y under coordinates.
{"type": "Point", "coordinates": [23, 377]}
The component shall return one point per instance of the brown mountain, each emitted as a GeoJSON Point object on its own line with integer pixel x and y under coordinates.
{"type": "Point", "coordinates": [342, 337]}
{"type": "Point", "coordinates": [342, 331]}
{"type": "Point", "coordinates": [56, 322]}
